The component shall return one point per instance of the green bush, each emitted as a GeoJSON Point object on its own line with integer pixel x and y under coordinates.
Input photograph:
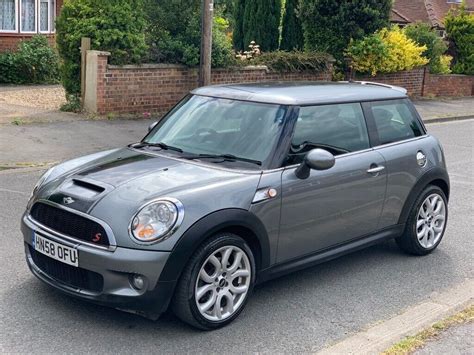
{"type": "Point", "coordinates": [73, 104]}
{"type": "Point", "coordinates": [387, 51]}
{"type": "Point", "coordinates": [329, 25]}
{"type": "Point", "coordinates": [460, 29]}
{"type": "Point", "coordinates": [174, 34]}
{"type": "Point", "coordinates": [295, 61]}
{"type": "Point", "coordinates": [117, 26]}
{"type": "Point", "coordinates": [35, 62]}
{"type": "Point", "coordinates": [424, 35]}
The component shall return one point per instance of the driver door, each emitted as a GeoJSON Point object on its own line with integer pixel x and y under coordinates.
{"type": "Point", "coordinates": [337, 205]}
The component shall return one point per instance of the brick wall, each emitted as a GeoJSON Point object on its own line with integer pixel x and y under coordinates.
{"type": "Point", "coordinates": [10, 42]}
{"type": "Point", "coordinates": [412, 80]}
{"type": "Point", "coordinates": [448, 85]}
{"type": "Point", "coordinates": [157, 87]}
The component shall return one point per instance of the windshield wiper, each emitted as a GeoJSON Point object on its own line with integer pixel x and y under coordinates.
{"type": "Point", "coordinates": [224, 157]}
{"type": "Point", "coordinates": [159, 145]}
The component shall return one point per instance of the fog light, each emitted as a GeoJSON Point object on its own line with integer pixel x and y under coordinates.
{"type": "Point", "coordinates": [138, 282]}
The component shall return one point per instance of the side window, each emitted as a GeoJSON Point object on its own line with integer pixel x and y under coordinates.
{"type": "Point", "coordinates": [337, 128]}
{"type": "Point", "coordinates": [394, 121]}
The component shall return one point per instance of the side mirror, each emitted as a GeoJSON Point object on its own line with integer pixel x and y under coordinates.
{"type": "Point", "coordinates": [317, 159]}
{"type": "Point", "coordinates": [150, 127]}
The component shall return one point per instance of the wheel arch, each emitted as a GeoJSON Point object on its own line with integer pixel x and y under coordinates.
{"type": "Point", "coordinates": [237, 221]}
{"type": "Point", "coordinates": [436, 176]}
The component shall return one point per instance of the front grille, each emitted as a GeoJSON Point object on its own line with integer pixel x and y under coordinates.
{"type": "Point", "coordinates": [67, 274]}
{"type": "Point", "coordinates": [69, 223]}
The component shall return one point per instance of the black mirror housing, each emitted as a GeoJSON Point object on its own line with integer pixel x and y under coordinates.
{"type": "Point", "coordinates": [317, 159]}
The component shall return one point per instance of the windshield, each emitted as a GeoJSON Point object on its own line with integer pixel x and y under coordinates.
{"type": "Point", "coordinates": [207, 126]}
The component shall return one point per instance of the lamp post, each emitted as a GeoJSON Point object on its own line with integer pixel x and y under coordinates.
{"type": "Point", "coordinates": [206, 43]}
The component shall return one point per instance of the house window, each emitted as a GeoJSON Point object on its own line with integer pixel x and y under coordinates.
{"type": "Point", "coordinates": [8, 15]}
{"type": "Point", "coordinates": [27, 16]}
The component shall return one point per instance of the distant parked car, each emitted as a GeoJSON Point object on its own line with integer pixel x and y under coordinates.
{"type": "Point", "coordinates": [236, 185]}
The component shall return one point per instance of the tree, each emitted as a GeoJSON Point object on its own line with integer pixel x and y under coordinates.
{"type": "Point", "coordinates": [238, 34]}
{"type": "Point", "coordinates": [292, 32]}
{"type": "Point", "coordinates": [424, 35]}
{"type": "Point", "coordinates": [460, 29]}
{"type": "Point", "coordinates": [174, 33]}
{"type": "Point", "coordinates": [116, 26]}
{"type": "Point", "coordinates": [330, 25]}
{"type": "Point", "coordinates": [259, 22]}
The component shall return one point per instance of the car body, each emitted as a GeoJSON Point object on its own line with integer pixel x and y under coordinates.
{"type": "Point", "coordinates": [233, 174]}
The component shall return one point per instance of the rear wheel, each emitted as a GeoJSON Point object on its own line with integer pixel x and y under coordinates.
{"type": "Point", "coordinates": [426, 223]}
{"type": "Point", "coordinates": [216, 283]}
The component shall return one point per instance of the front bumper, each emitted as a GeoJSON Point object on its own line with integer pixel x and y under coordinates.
{"type": "Point", "coordinates": [116, 267]}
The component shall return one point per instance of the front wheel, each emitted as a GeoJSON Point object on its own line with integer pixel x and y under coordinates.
{"type": "Point", "coordinates": [216, 283]}
{"type": "Point", "coordinates": [426, 223]}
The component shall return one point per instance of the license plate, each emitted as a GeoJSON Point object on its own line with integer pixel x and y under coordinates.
{"type": "Point", "coordinates": [55, 250]}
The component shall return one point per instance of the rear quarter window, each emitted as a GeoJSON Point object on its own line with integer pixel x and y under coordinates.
{"type": "Point", "coordinates": [395, 120]}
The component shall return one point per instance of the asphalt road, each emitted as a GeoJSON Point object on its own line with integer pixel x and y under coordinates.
{"type": "Point", "coordinates": [304, 311]}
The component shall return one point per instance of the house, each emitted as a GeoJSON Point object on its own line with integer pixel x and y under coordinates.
{"type": "Point", "coordinates": [21, 19]}
{"type": "Point", "coordinates": [433, 12]}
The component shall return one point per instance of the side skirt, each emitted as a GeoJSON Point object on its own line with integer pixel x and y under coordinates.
{"type": "Point", "coordinates": [321, 256]}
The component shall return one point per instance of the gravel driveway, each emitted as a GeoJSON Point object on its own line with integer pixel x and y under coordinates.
{"type": "Point", "coordinates": [49, 97]}
{"type": "Point", "coordinates": [39, 103]}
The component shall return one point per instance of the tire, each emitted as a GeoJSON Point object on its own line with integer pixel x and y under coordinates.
{"type": "Point", "coordinates": [415, 240]}
{"type": "Point", "coordinates": [221, 287]}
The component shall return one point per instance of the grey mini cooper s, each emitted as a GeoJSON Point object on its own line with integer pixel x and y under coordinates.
{"type": "Point", "coordinates": [236, 185]}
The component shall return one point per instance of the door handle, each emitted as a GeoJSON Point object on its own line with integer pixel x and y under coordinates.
{"type": "Point", "coordinates": [376, 169]}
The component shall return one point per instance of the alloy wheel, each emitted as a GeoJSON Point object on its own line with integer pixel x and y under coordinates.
{"type": "Point", "coordinates": [223, 283]}
{"type": "Point", "coordinates": [431, 220]}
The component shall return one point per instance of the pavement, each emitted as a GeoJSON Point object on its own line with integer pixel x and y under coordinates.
{"type": "Point", "coordinates": [303, 312]}
{"type": "Point", "coordinates": [439, 109]}
{"type": "Point", "coordinates": [456, 340]}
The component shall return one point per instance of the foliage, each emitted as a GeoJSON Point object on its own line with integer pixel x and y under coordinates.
{"type": "Point", "coordinates": [444, 65]}
{"type": "Point", "coordinates": [116, 26]}
{"type": "Point", "coordinates": [73, 104]}
{"type": "Point", "coordinates": [35, 62]}
{"type": "Point", "coordinates": [330, 25]}
{"type": "Point", "coordinates": [174, 33]}
{"type": "Point", "coordinates": [295, 61]}
{"type": "Point", "coordinates": [423, 34]}
{"type": "Point", "coordinates": [292, 32]}
{"type": "Point", "coordinates": [460, 29]}
{"type": "Point", "coordinates": [238, 31]}
{"type": "Point", "coordinates": [386, 51]}
{"type": "Point", "coordinates": [259, 21]}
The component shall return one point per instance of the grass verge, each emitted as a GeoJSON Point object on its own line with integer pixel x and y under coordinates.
{"type": "Point", "coordinates": [412, 343]}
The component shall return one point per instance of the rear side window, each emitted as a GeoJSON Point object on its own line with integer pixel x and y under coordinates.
{"type": "Point", "coordinates": [394, 121]}
{"type": "Point", "coordinates": [337, 128]}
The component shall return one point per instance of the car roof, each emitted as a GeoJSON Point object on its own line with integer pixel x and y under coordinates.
{"type": "Point", "coordinates": [304, 93]}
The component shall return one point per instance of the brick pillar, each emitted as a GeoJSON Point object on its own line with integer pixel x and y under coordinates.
{"type": "Point", "coordinates": [96, 69]}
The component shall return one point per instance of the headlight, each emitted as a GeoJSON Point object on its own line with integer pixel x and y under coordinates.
{"type": "Point", "coordinates": [157, 220]}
